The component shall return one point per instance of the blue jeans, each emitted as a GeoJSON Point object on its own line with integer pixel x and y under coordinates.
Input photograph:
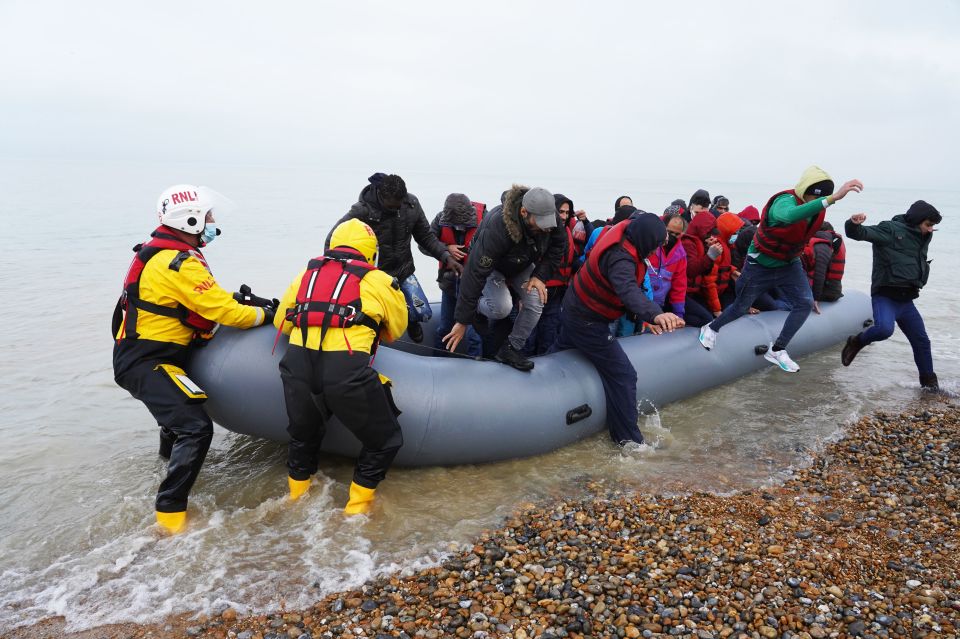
{"type": "Point", "coordinates": [791, 280]}
{"type": "Point", "coordinates": [418, 308]}
{"type": "Point", "coordinates": [619, 378]}
{"type": "Point", "coordinates": [448, 303]}
{"type": "Point", "coordinates": [886, 311]}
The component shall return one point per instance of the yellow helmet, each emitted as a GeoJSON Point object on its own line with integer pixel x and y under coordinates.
{"type": "Point", "coordinates": [356, 235]}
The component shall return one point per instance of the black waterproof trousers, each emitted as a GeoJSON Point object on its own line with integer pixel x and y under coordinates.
{"type": "Point", "coordinates": [321, 384]}
{"type": "Point", "coordinates": [185, 428]}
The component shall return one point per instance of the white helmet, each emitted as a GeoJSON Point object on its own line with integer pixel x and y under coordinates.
{"type": "Point", "coordinates": [184, 207]}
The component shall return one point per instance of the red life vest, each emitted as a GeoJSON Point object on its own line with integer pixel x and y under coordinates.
{"type": "Point", "coordinates": [837, 262]}
{"type": "Point", "coordinates": [593, 289]}
{"type": "Point", "coordinates": [786, 242]}
{"type": "Point", "coordinates": [447, 232]}
{"type": "Point", "coordinates": [130, 302]}
{"type": "Point", "coordinates": [329, 293]}
{"type": "Point", "coordinates": [562, 275]}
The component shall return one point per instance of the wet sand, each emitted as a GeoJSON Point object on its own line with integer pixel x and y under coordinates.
{"type": "Point", "coordinates": [864, 542]}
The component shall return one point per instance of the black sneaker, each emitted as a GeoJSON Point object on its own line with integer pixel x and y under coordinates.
{"type": "Point", "coordinates": [929, 383]}
{"type": "Point", "coordinates": [415, 332]}
{"type": "Point", "coordinates": [512, 357]}
{"type": "Point", "coordinates": [850, 350]}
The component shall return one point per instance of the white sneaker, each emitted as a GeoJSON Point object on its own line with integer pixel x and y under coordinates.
{"type": "Point", "coordinates": [708, 337]}
{"type": "Point", "coordinates": [781, 359]}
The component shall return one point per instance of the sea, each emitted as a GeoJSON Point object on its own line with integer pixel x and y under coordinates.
{"type": "Point", "coordinates": [78, 459]}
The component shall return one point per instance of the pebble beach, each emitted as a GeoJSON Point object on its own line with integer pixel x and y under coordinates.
{"type": "Point", "coordinates": [862, 542]}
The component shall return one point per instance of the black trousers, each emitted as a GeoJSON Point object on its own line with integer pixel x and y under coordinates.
{"type": "Point", "coordinates": [185, 428]}
{"type": "Point", "coordinates": [321, 384]}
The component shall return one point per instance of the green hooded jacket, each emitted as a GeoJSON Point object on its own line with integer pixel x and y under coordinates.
{"type": "Point", "coordinates": [899, 255]}
{"type": "Point", "coordinates": [785, 210]}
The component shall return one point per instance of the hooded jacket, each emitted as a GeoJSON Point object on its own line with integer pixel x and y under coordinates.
{"type": "Point", "coordinates": [394, 230]}
{"type": "Point", "coordinates": [900, 265]}
{"type": "Point", "coordinates": [698, 262]}
{"type": "Point", "coordinates": [645, 232]}
{"type": "Point", "coordinates": [505, 244]}
{"type": "Point", "coordinates": [380, 299]}
{"type": "Point", "coordinates": [668, 277]}
{"type": "Point", "coordinates": [784, 210]}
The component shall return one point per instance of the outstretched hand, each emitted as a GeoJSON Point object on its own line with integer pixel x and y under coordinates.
{"type": "Point", "coordinates": [858, 218]}
{"type": "Point", "coordinates": [850, 185]}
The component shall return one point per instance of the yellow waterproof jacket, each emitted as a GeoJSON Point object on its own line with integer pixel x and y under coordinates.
{"type": "Point", "coordinates": [193, 286]}
{"type": "Point", "coordinates": [381, 300]}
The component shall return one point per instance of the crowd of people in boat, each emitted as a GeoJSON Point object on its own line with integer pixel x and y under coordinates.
{"type": "Point", "coordinates": [526, 277]}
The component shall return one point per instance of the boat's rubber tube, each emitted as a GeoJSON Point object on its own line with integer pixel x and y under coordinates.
{"type": "Point", "coordinates": [460, 411]}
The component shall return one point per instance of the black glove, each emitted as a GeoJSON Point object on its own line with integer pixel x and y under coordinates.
{"type": "Point", "coordinates": [246, 297]}
{"type": "Point", "coordinates": [269, 312]}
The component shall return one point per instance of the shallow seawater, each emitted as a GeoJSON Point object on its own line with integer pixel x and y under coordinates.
{"type": "Point", "coordinates": [79, 470]}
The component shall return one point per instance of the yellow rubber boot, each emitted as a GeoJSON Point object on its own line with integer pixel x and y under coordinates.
{"type": "Point", "coordinates": [298, 487]}
{"type": "Point", "coordinates": [361, 500]}
{"type": "Point", "coordinates": [172, 523]}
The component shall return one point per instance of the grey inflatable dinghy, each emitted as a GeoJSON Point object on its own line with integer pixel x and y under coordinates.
{"type": "Point", "coordinates": [463, 411]}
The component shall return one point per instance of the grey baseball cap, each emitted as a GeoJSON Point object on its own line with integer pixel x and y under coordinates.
{"type": "Point", "coordinates": [541, 205]}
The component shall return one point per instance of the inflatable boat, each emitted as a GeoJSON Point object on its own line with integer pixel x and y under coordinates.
{"type": "Point", "coordinates": [458, 410]}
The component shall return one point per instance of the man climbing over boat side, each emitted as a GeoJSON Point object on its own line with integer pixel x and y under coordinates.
{"type": "Point", "coordinates": [336, 311]}
{"type": "Point", "coordinates": [900, 270]}
{"type": "Point", "coordinates": [609, 284]}
{"type": "Point", "coordinates": [397, 217]}
{"type": "Point", "coordinates": [170, 303]}
{"type": "Point", "coordinates": [519, 246]}
{"type": "Point", "coordinates": [789, 219]}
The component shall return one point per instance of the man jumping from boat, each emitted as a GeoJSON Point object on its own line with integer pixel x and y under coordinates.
{"type": "Point", "coordinates": [789, 219]}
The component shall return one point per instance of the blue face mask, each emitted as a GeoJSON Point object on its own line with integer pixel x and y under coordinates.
{"type": "Point", "coordinates": [210, 233]}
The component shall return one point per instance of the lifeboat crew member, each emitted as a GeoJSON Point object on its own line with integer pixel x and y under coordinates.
{"type": "Point", "coordinates": [396, 216]}
{"type": "Point", "coordinates": [608, 285]}
{"type": "Point", "coordinates": [171, 302]}
{"type": "Point", "coordinates": [335, 312]}
{"type": "Point", "coordinates": [788, 221]}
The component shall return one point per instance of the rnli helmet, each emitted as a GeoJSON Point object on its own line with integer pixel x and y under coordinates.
{"type": "Point", "coordinates": [184, 207]}
{"type": "Point", "coordinates": [359, 236]}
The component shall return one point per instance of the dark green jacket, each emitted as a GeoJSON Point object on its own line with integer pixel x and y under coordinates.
{"type": "Point", "coordinates": [899, 254]}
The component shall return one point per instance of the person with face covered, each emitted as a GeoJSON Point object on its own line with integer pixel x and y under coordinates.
{"type": "Point", "coordinates": [789, 219]}
{"type": "Point", "coordinates": [519, 246]}
{"type": "Point", "coordinates": [397, 217]}
{"type": "Point", "coordinates": [699, 203]}
{"type": "Point", "coordinates": [900, 270]}
{"type": "Point", "coordinates": [171, 304]}
{"type": "Point", "coordinates": [608, 285]}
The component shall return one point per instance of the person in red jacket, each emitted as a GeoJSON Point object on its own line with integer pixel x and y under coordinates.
{"type": "Point", "coordinates": [702, 253]}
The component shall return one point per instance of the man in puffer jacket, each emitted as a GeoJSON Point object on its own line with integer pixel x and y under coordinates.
{"type": "Point", "coordinates": [396, 216]}
{"type": "Point", "coordinates": [900, 270]}
{"type": "Point", "coordinates": [519, 245]}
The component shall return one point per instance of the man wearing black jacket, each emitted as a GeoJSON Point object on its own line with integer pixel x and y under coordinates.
{"type": "Point", "coordinates": [395, 217]}
{"type": "Point", "coordinates": [519, 245]}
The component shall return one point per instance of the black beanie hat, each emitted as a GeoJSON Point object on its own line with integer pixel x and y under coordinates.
{"type": "Point", "coordinates": [920, 211]}
{"type": "Point", "coordinates": [623, 213]}
{"type": "Point", "coordinates": [701, 197]}
{"type": "Point", "coordinates": [822, 188]}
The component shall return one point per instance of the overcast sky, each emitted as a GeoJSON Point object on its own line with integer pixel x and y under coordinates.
{"type": "Point", "coordinates": [744, 91]}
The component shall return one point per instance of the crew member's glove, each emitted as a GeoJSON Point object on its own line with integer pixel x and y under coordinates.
{"type": "Point", "coordinates": [246, 297]}
{"type": "Point", "coordinates": [454, 265]}
{"type": "Point", "coordinates": [269, 312]}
